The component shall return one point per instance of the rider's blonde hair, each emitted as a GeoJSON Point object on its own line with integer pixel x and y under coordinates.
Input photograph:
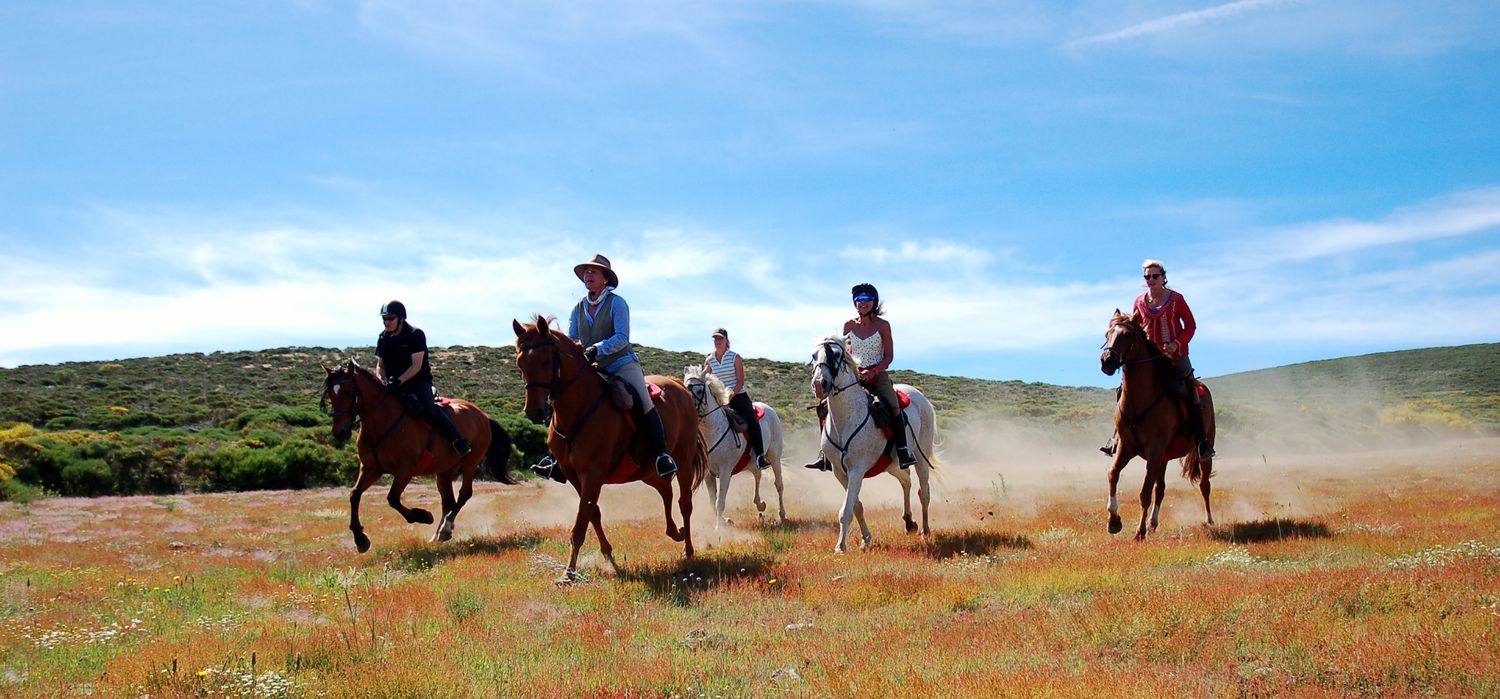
{"type": "Point", "coordinates": [1148, 264]}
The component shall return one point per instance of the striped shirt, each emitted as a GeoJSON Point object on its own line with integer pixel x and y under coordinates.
{"type": "Point", "coordinates": [724, 369]}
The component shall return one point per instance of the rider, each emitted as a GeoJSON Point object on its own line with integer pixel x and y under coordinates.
{"type": "Point", "coordinates": [868, 337]}
{"type": "Point", "coordinates": [601, 323]}
{"type": "Point", "coordinates": [401, 362]}
{"type": "Point", "coordinates": [1169, 323]}
{"type": "Point", "coordinates": [727, 365]}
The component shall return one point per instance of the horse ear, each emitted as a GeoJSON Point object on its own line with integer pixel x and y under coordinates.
{"type": "Point", "coordinates": [326, 370]}
{"type": "Point", "coordinates": [541, 325]}
{"type": "Point", "coordinates": [1118, 313]}
{"type": "Point", "coordinates": [517, 325]}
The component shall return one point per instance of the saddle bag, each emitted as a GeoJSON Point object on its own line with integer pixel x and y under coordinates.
{"type": "Point", "coordinates": [619, 391]}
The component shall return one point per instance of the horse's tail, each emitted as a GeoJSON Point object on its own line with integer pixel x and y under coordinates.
{"type": "Point", "coordinates": [497, 459]}
{"type": "Point", "coordinates": [700, 460]}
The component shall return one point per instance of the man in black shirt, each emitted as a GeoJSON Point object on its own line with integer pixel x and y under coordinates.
{"type": "Point", "coordinates": [401, 361]}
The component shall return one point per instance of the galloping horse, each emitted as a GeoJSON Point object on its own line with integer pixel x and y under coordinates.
{"type": "Point", "coordinates": [728, 452]}
{"type": "Point", "coordinates": [595, 443]}
{"type": "Point", "coordinates": [856, 448]}
{"type": "Point", "coordinates": [1150, 423]}
{"type": "Point", "coordinates": [392, 442]}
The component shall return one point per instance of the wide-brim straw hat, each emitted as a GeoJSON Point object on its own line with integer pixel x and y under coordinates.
{"type": "Point", "coordinates": [602, 263]}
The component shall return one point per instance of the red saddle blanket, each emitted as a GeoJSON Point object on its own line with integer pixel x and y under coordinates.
{"type": "Point", "coordinates": [629, 469]}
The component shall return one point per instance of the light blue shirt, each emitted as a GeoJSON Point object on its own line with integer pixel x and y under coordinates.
{"type": "Point", "coordinates": [614, 343]}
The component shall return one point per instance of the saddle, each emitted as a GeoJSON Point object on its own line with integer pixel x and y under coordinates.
{"type": "Point", "coordinates": [879, 414]}
{"type": "Point", "coordinates": [621, 395]}
{"type": "Point", "coordinates": [737, 422]}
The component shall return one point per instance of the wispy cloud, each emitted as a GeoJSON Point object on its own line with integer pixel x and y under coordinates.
{"type": "Point", "coordinates": [1175, 22]}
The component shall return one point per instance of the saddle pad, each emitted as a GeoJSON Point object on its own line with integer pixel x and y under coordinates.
{"type": "Point", "coordinates": [444, 401]}
{"type": "Point", "coordinates": [903, 399]}
{"type": "Point", "coordinates": [654, 390]}
{"type": "Point", "coordinates": [760, 413]}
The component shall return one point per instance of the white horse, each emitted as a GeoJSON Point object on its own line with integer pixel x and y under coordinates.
{"type": "Point", "coordinates": [852, 443]}
{"type": "Point", "coordinates": [726, 447]}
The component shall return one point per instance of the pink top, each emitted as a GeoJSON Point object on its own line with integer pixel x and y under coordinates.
{"type": "Point", "coordinates": [1170, 321]}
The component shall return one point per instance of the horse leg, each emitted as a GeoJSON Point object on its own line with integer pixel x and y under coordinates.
{"type": "Point", "coordinates": [665, 490]}
{"type": "Point", "coordinates": [760, 505]}
{"type": "Point", "coordinates": [1148, 485]}
{"type": "Point", "coordinates": [846, 513]}
{"type": "Point", "coordinates": [445, 493]}
{"type": "Point", "coordinates": [1205, 488]}
{"type": "Point", "coordinates": [864, 527]}
{"type": "Point", "coordinates": [911, 524]}
{"type": "Point", "coordinates": [413, 515]}
{"type": "Point", "coordinates": [721, 496]}
{"type": "Point", "coordinates": [685, 505]}
{"type": "Point", "coordinates": [588, 508]}
{"type": "Point", "coordinates": [367, 478]}
{"type": "Point", "coordinates": [605, 548]}
{"type": "Point", "coordinates": [780, 489]}
{"type": "Point", "coordinates": [1161, 491]}
{"type": "Point", "coordinates": [1122, 457]}
{"type": "Point", "coordinates": [924, 493]}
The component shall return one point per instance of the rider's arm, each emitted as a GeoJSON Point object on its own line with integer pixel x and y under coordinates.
{"type": "Point", "coordinates": [616, 342]}
{"type": "Point", "coordinates": [416, 366]}
{"type": "Point", "coordinates": [1189, 325]}
{"type": "Point", "coordinates": [739, 374]}
{"type": "Point", "coordinates": [887, 348]}
{"type": "Point", "coordinates": [379, 369]}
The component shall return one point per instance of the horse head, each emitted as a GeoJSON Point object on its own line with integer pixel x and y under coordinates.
{"type": "Point", "coordinates": [829, 359]}
{"type": "Point", "coordinates": [341, 389]}
{"type": "Point", "coordinates": [1120, 341]}
{"type": "Point", "coordinates": [703, 384]}
{"type": "Point", "coordinates": [549, 362]}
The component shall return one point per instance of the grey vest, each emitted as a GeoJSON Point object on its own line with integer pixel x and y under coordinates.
{"type": "Point", "coordinates": [602, 329]}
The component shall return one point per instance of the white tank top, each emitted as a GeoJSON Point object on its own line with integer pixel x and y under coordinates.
{"type": "Point", "coordinates": [724, 370]}
{"type": "Point", "coordinates": [868, 351]}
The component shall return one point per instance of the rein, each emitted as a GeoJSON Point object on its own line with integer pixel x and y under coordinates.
{"type": "Point", "coordinates": [357, 420]}
{"type": "Point", "coordinates": [828, 425]}
{"type": "Point", "coordinates": [1131, 422]}
{"type": "Point", "coordinates": [556, 387]}
{"type": "Point", "coordinates": [728, 428]}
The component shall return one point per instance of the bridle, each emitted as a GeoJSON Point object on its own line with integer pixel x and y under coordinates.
{"type": "Point", "coordinates": [1134, 335]}
{"type": "Point", "coordinates": [700, 392]}
{"type": "Point", "coordinates": [556, 386]}
{"type": "Point", "coordinates": [831, 350]}
{"type": "Point", "coordinates": [346, 377]}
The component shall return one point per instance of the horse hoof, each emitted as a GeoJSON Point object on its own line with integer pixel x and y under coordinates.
{"type": "Point", "coordinates": [839, 549]}
{"type": "Point", "coordinates": [419, 516]}
{"type": "Point", "coordinates": [443, 535]}
{"type": "Point", "coordinates": [361, 542]}
{"type": "Point", "coordinates": [760, 507]}
{"type": "Point", "coordinates": [1114, 524]}
{"type": "Point", "coordinates": [1140, 535]}
{"type": "Point", "coordinates": [911, 527]}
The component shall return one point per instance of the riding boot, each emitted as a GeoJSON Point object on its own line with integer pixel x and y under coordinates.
{"type": "Point", "coordinates": [1110, 446]}
{"type": "Point", "coordinates": [549, 468]}
{"type": "Point", "coordinates": [898, 437]}
{"type": "Point", "coordinates": [821, 464]}
{"type": "Point", "coordinates": [444, 423]}
{"type": "Point", "coordinates": [656, 438]}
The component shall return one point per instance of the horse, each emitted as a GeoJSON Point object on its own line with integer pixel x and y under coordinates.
{"type": "Point", "coordinates": [595, 442]}
{"type": "Point", "coordinates": [1150, 423]}
{"type": "Point", "coordinates": [391, 441]}
{"type": "Point", "coordinates": [728, 452]}
{"type": "Point", "coordinates": [856, 449]}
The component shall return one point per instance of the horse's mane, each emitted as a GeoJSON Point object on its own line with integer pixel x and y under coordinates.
{"type": "Point", "coordinates": [709, 379]}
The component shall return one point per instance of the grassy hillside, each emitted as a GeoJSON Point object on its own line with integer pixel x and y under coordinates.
{"type": "Point", "coordinates": [245, 420]}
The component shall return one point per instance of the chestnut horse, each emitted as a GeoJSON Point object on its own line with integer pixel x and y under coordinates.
{"type": "Point", "coordinates": [1151, 421]}
{"type": "Point", "coordinates": [595, 442]}
{"type": "Point", "coordinates": [391, 441]}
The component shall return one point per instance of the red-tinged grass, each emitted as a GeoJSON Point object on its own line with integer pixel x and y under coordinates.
{"type": "Point", "coordinates": [1376, 583]}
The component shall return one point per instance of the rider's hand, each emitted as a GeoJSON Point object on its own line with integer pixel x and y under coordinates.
{"type": "Point", "coordinates": [1171, 349]}
{"type": "Point", "coordinates": [392, 381]}
{"type": "Point", "coordinates": [591, 353]}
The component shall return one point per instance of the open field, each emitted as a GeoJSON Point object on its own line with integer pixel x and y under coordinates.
{"type": "Point", "coordinates": [1329, 574]}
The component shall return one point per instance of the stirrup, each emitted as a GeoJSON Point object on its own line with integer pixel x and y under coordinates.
{"type": "Point", "coordinates": [549, 468]}
{"type": "Point", "coordinates": [820, 465]}
{"type": "Point", "coordinates": [1108, 449]}
{"type": "Point", "coordinates": [907, 459]}
{"type": "Point", "coordinates": [1205, 450]}
{"type": "Point", "coordinates": [669, 468]}
{"type": "Point", "coordinates": [762, 461]}
{"type": "Point", "coordinates": [461, 446]}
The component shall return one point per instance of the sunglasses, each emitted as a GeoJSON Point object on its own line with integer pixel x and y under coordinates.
{"type": "Point", "coordinates": [387, 318]}
{"type": "Point", "coordinates": [1157, 275]}
{"type": "Point", "coordinates": [863, 298]}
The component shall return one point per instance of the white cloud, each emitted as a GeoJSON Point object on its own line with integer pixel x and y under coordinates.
{"type": "Point", "coordinates": [1178, 21]}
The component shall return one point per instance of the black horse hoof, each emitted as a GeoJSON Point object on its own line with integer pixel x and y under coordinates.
{"type": "Point", "coordinates": [1114, 524]}
{"type": "Point", "coordinates": [419, 516]}
{"type": "Point", "coordinates": [361, 542]}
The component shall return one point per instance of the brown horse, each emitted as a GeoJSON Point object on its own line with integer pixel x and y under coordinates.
{"type": "Point", "coordinates": [594, 442]}
{"type": "Point", "coordinates": [390, 441]}
{"type": "Point", "coordinates": [1151, 422]}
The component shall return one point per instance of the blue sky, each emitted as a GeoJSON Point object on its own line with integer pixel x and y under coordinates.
{"type": "Point", "coordinates": [1322, 178]}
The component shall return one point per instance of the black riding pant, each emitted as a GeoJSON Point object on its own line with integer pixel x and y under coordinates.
{"type": "Point", "coordinates": [419, 394]}
{"type": "Point", "coordinates": [741, 404]}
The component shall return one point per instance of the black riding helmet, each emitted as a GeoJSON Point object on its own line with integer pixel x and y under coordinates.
{"type": "Point", "coordinates": [394, 308]}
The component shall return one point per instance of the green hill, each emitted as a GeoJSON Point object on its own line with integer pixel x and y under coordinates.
{"type": "Point", "coordinates": [244, 420]}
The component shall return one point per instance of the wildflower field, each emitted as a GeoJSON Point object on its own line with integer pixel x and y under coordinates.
{"type": "Point", "coordinates": [1327, 575]}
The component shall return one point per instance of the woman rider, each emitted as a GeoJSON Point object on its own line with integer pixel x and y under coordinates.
{"type": "Point", "coordinates": [1169, 323]}
{"type": "Point", "coordinates": [868, 337]}
{"type": "Point", "coordinates": [401, 362]}
{"type": "Point", "coordinates": [727, 365]}
{"type": "Point", "coordinates": [601, 323]}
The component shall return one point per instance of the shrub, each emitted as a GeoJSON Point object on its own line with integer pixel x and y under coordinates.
{"type": "Point", "coordinates": [63, 422]}
{"type": "Point", "coordinates": [13, 490]}
{"type": "Point", "coordinates": [87, 477]}
{"type": "Point", "coordinates": [525, 437]}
